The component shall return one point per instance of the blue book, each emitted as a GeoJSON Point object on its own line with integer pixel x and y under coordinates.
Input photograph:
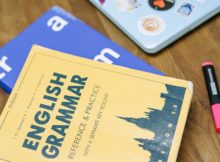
{"type": "Point", "coordinates": [59, 30]}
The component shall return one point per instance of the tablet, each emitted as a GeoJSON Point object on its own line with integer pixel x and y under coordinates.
{"type": "Point", "coordinates": [154, 24]}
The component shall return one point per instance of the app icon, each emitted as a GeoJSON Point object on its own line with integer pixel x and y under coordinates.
{"type": "Point", "coordinates": [161, 4]}
{"type": "Point", "coordinates": [151, 25]}
{"type": "Point", "coordinates": [128, 5]}
{"type": "Point", "coordinates": [102, 1]}
{"type": "Point", "coordinates": [186, 9]}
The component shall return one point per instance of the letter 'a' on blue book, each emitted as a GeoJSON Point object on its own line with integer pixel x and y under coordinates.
{"type": "Point", "coordinates": [59, 30]}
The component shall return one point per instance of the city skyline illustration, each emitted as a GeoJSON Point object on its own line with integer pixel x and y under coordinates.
{"type": "Point", "coordinates": [162, 123]}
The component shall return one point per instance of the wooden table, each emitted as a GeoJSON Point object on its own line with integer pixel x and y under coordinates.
{"type": "Point", "coordinates": [181, 60]}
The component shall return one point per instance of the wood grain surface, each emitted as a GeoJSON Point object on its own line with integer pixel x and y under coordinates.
{"type": "Point", "coordinates": [182, 59]}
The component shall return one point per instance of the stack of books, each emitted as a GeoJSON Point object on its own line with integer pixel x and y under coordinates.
{"type": "Point", "coordinates": [59, 30]}
{"type": "Point", "coordinates": [70, 104]}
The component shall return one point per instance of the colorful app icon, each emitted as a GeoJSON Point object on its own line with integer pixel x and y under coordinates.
{"type": "Point", "coordinates": [186, 9]}
{"type": "Point", "coordinates": [102, 1]}
{"type": "Point", "coordinates": [151, 25]}
{"type": "Point", "coordinates": [161, 4]}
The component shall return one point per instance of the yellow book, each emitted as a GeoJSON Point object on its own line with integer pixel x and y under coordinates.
{"type": "Point", "coordinates": [69, 109]}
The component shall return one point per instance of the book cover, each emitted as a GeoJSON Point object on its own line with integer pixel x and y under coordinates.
{"type": "Point", "coordinates": [73, 109]}
{"type": "Point", "coordinates": [59, 30]}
